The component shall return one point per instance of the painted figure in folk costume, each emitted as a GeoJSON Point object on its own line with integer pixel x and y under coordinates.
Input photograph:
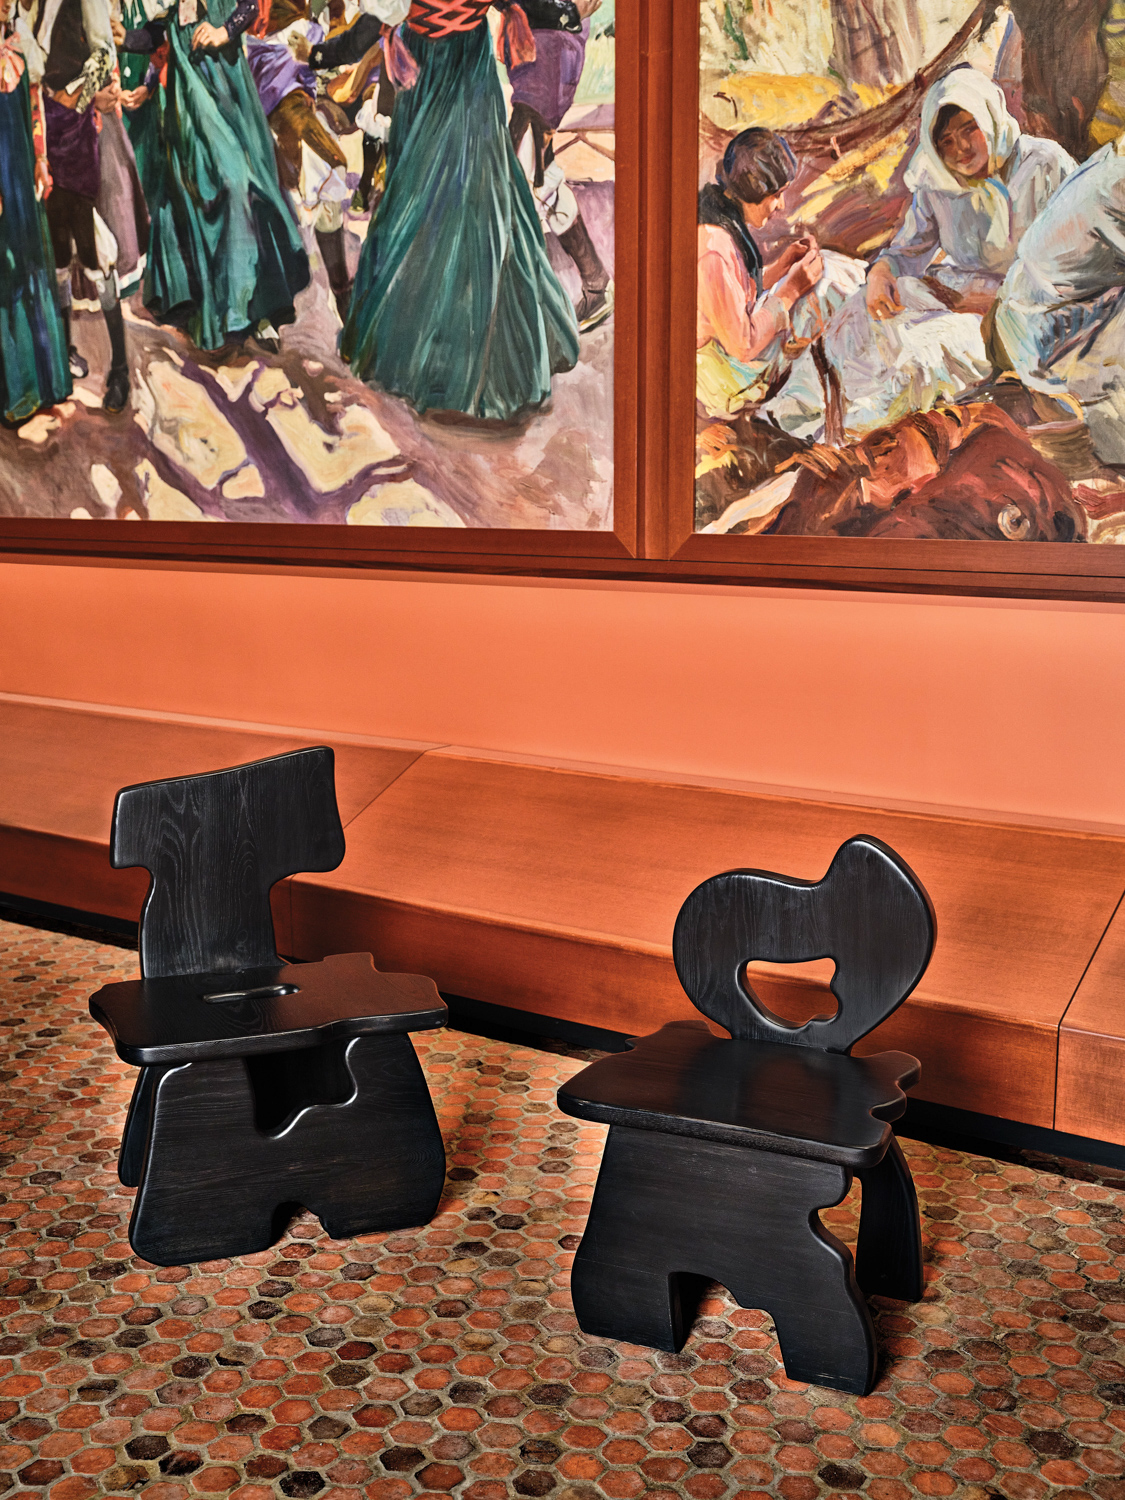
{"type": "Point", "coordinates": [753, 315]}
{"type": "Point", "coordinates": [75, 41]}
{"type": "Point", "coordinates": [914, 337]}
{"type": "Point", "coordinates": [1061, 311]}
{"type": "Point", "coordinates": [456, 307]}
{"type": "Point", "coordinates": [278, 52]}
{"type": "Point", "coordinates": [543, 90]}
{"type": "Point", "coordinates": [33, 345]}
{"type": "Point", "coordinates": [225, 254]}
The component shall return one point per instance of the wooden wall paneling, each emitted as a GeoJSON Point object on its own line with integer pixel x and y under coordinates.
{"type": "Point", "coordinates": [61, 768]}
{"type": "Point", "coordinates": [679, 382]}
{"type": "Point", "coordinates": [1091, 1071]}
{"type": "Point", "coordinates": [556, 891]}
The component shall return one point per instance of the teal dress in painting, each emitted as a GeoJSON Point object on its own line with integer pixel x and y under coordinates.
{"type": "Point", "coordinates": [455, 305]}
{"type": "Point", "coordinates": [225, 253]}
{"type": "Point", "coordinates": [33, 356]}
{"type": "Point", "coordinates": [143, 124]}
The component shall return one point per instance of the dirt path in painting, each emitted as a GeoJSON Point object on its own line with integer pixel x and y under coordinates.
{"type": "Point", "coordinates": [250, 436]}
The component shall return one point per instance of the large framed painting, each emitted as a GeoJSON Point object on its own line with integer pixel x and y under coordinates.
{"type": "Point", "coordinates": [897, 292]}
{"type": "Point", "coordinates": [344, 278]}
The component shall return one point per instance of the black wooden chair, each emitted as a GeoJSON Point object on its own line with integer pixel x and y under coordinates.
{"type": "Point", "coordinates": [263, 1085]}
{"type": "Point", "coordinates": [720, 1151]}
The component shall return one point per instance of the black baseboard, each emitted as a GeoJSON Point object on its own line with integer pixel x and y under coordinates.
{"type": "Point", "coordinates": [503, 1024]}
{"type": "Point", "coordinates": [1004, 1140]}
{"type": "Point", "coordinates": [85, 924]}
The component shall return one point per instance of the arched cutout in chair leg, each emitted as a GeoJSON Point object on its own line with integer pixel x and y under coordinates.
{"type": "Point", "coordinates": [213, 1180]}
{"type": "Point", "coordinates": [889, 1250]}
{"type": "Point", "coordinates": [747, 1219]}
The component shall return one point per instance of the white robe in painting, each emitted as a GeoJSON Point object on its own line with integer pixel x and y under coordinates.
{"type": "Point", "coordinates": [963, 235]}
{"type": "Point", "coordinates": [1061, 311]}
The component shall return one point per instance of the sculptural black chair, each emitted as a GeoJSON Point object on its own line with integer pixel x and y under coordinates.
{"type": "Point", "coordinates": [720, 1152]}
{"type": "Point", "coordinates": [263, 1084]}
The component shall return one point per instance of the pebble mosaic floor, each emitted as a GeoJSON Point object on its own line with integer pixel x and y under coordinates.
{"type": "Point", "coordinates": [446, 1360]}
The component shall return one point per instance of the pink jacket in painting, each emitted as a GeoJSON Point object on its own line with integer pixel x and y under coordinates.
{"type": "Point", "coordinates": [728, 308]}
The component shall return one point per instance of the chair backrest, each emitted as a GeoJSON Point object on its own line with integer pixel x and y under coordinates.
{"type": "Point", "coordinates": [870, 914]}
{"type": "Point", "coordinates": [214, 845]}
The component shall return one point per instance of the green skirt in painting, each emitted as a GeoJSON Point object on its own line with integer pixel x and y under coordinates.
{"type": "Point", "coordinates": [144, 124]}
{"type": "Point", "coordinates": [225, 253]}
{"type": "Point", "coordinates": [455, 305]}
{"type": "Point", "coordinates": [33, 356]}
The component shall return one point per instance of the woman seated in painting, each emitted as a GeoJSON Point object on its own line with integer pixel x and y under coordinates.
{"type": "Point", "coordinates": [455, 306]}
{"type": "Point", "coordinates": [749, 310]}
{"type": "Point", "coordinates": [1061, 312]}
{"type": "Point", "coordinates": [914, 337]}
{"type": "Point", "coordinates": [34, 370]}
{"type": "Point", "coordinates": [225, 254]}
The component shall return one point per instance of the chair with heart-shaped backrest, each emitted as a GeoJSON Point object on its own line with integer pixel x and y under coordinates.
{"type": "Point", "coordinates": [263, 1084]}
{"type": "Point", "coordinates": [720, 1152]}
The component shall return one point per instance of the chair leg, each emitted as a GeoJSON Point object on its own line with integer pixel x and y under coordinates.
{"type": "Point", "coordinates": [634, 1304]}
{"type": "Point", "coordinates": [134, 1138]}
{"type": "Point", "coordinates": [358, 1144]}
{"type": "Point", "coordinates": [670, 1213]}
{"type": "Point", "coordinates": [889, 1250]}
{"type": "Point", "coordinates": [827, 1337]}
{"type": "Point", "coordinates": [203, 1194]}
{"type": "Point", "coordinates": [389, 1159]}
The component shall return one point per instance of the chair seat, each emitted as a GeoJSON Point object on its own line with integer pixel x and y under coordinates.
{"type": "Point", "coordinates": [797, 1101]}
{"type": "Point", "coordinates": [247, 1012]}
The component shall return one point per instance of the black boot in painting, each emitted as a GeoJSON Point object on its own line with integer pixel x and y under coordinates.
{"type": "Point", "coordinates": [79, 369]}
{"type": "Point", "coordinates": [596, 303]}
{"type": "Point", "coordinates": [117, 381]}
{"type": "Point", "coordinates": [331, 245]}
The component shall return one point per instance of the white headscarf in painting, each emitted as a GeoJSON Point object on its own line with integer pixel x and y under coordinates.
{"type": "Point", "coordinates": [975, 93]}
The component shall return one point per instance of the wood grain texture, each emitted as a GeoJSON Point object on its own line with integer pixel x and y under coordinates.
{"type": "Point", "coordinates": [970, 1059]}
{"type": "Point", "coordinates": [448, 863]}
{"type": "Point", "coordinates": [1090, 1099]}
{"type": "Point", "coordinates": [767, 1096]}
{"type": "Point", "coordinates": [889, 1247]}
{"type": "Point", "coordinates": [281, 1008]}
{"type": "Point", "coordinates": [868, 914]}
{"type": "Point", "coordinates": [215, 845]}
{"type": "Point", "coordinates": [669, 1215]}
{"type": "Point", "coordinates": [262, 1084]}
{"type": "Point", "coordinates": [60, 770]}
{"type": "Point", "coordinates": [466, 837]}
{"type": "Point", "coordinates": [217, 1185]}
{"type": "Point", "coordinates": [771, 1103]}
{"type": "Point", "coordinates": [445, 874]}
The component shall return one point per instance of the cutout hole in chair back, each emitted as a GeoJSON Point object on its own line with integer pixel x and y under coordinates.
{"type": "Point", "coordinates": [870, 914]}
{"type": "Point", "coordinates": [793, 993]}
{"type": "Point", "coordinates": [215, 845]}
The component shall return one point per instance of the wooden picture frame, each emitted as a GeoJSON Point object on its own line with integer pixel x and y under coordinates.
{"type": "Point", "coordinates": [653, 536]}
{"type": "Point", "coordinates": [1008, 568]}
{"type": "Point", "coordinates": [440, 547]}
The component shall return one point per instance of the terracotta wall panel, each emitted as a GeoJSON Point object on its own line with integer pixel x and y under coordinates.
{"type": "Point", "coordinates": [1000, 705]}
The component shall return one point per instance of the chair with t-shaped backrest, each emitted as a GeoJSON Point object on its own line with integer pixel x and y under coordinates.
{"type": "Point", "coordinates": [720, 1152]}
{"type": "Point", "coordinates": [263, 1084]}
